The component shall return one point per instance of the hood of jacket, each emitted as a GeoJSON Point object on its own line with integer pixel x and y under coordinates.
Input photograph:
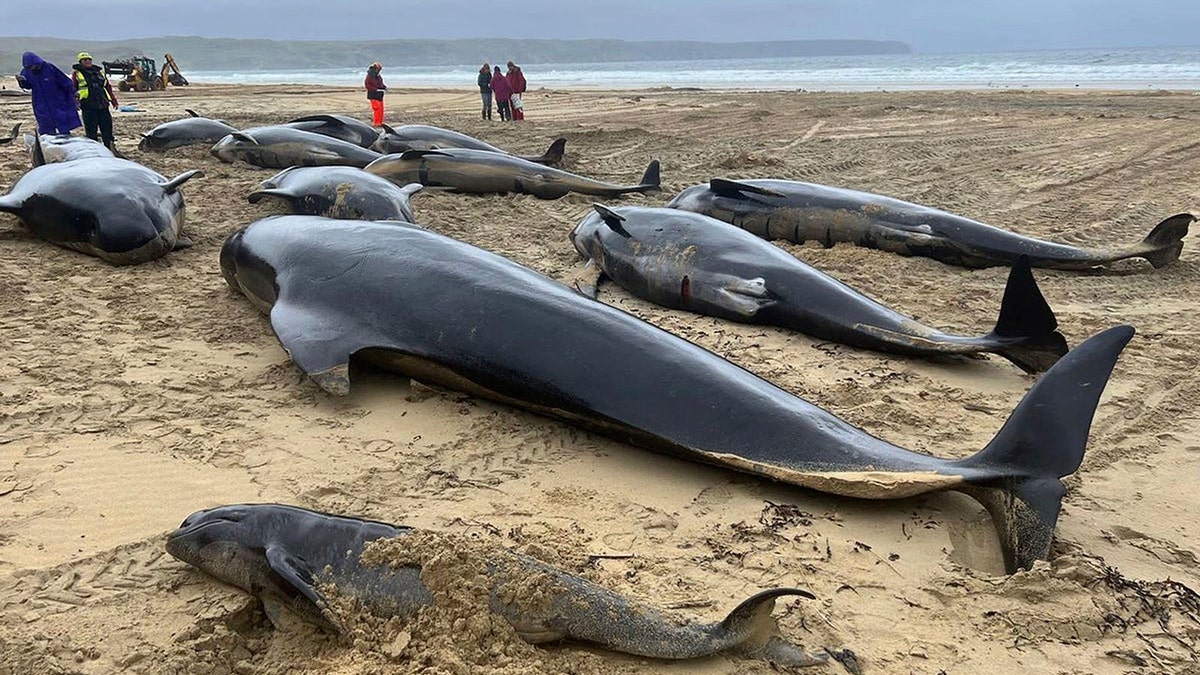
{"type": "Point", "coordinates": [29, 59]}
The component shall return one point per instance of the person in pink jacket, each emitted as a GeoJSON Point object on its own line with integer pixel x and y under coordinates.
{"type": "Point", "coordinates": [502, 91]}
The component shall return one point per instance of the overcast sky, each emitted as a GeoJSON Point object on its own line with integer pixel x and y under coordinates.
{"type": "Point", "coordinates": [927, 25]}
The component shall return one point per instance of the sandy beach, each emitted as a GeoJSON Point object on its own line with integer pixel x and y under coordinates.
{"type": "Point", "coordinates": [131, 397]}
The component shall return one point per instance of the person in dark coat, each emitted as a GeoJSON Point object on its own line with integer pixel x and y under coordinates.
{"type": "Point", "coordinates": [485, 90]}
{"type": "Point", "coordinates": [502, 91]}
{"type": "Point", "coordinates": [375, 91]}
{"type": "Point", "coordinates": [95, 95]}
{"type": "Point", "coordinates": [53, 95]}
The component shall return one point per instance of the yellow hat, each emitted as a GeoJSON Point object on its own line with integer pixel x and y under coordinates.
{"type": "Point", "coordinates": [82, 56]}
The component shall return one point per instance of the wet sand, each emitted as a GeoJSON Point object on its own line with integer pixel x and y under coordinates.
{"type": "Point", "coordinates": [131, 397]}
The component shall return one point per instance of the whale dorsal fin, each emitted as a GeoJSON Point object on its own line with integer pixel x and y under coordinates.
{"type": "Point", "coordinates": [191, 112]}
{"type": "Point", "coordinates": [328, 119]}
{"type": "Point", "coordinates": [13, 135]}
{"type": "Point", "coordinates": [612, 219]}
{"type": "Point", "coordinates": [387, 128]}
{"type": "Point", "coordinates": [37, 155]}
{"type": "Point", "coordinates": [737, 190]}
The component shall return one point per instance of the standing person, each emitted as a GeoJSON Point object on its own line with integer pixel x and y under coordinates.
{"type": "Point", "coordinates": [485, 90]}
{"type": "Point", "coordinates": [375, 90]}
{"type": "Point", "coordinates": [516, 82]}
{"type": "Point", "coordinates": [53, 95]}
{"type": "Point", "coordinates": [502, 91]}
{"type": "Point", "coordinates": [95, 95]}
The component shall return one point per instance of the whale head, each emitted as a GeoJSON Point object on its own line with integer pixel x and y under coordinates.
{"type": "Point", "coordinates": [228, 543]}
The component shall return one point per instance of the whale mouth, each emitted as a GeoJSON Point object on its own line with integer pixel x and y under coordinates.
{"type": "Point", "coordinates": [186, 530]}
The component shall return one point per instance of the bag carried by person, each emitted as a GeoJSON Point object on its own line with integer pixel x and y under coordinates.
{"type": "Point", "coordinates": [516, 102]}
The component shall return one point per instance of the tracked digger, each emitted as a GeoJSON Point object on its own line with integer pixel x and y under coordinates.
{"type": "Point", "coordinates": [139, 73]}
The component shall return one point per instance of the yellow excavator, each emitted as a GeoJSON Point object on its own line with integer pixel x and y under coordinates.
{"type": "Point", "coordinates": [170, 72]}
{"type": "Point", "coordinates": [140, 74]}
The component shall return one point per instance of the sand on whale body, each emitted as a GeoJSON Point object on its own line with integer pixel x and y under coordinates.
{"type": "Point", "coordinates": [131, 397]}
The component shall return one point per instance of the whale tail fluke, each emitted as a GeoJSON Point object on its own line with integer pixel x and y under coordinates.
{"type": "Point", "coordinates": [749, 628]}
{"type": "Point", "coordinates": [1016, 477]}
{"type": "Point", "coordinates": [1165, 242]}
{"type": "Point", "coordinates": [1027, 329]}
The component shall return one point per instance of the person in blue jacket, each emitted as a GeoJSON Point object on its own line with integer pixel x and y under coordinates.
{"type": "Point", "coordinates": [53, 95]}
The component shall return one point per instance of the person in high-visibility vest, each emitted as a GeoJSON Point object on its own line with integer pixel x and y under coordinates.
{"type": "Point", "coordinates": [95, 95]}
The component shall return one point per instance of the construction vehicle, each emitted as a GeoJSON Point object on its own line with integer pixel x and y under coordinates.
{"type": "Point", "coordinates": [140, 74]}
{"type": "Point", "coordinates": [174, 76]}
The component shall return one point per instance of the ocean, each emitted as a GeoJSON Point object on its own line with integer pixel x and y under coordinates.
{"type": "Point", "coordinates": [1159, 68]}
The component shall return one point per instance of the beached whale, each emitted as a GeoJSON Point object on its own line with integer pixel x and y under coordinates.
{"type": "Point", "coordinates": [286, 556]}
{"type": "Point", "coordinates": [799, 212]}
{"type": "Point", "coordinates": [342, 127]}
{"type": "Point", "coordinates": [450, 314]}
{"type": "Point", "coordinates": [114, 209]}
{"type": "Point", "coordinates": [424, 137]}
{"type": "Point", "coordinates": [279, 147]}
{"type": "Point", "coordinates": [52, 149]}
{"type": "Point", "coordinates": [482, 172]}
{"type": "Point", "coordinates": [192, 130]}
{"type": "Point", "coordinates": [339, 192]}
{"type": "Point", "coordinates": [689, 261]}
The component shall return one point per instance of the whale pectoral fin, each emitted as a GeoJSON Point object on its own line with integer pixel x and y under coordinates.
{"type": "Point", "coordinates": [745, 297]}
{"type": "Point", "coordinates": [173, 184]}
{"type": "Point", "coordinates": [411, 189]}
{"type": "Point", "coordinates": [535, 633]}
{"type": "Point", "coordinates": [587, 278]}
{"type": "Point", "coordinates": [245, 138]}
{"type": "Point", "coordinates": [322, 153]}
{"type": "Point", "coordinates": [10, 204]}
{"type": "Point", "coordinates": [316, 343]}
{"type": "Point", "coordinates": [321, 340]}
{"type": "Point", "coordinates": [182, 242]}
{"type": "Point", "coordinates": [418, 154]}
{"type": "Point", "coordinates": [258, 195]}
{"type": "Point", "coordinates": [297, 573]}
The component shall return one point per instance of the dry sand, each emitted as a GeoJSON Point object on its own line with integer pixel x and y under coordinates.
{"type": "Point", "coordinates": [130, 397]}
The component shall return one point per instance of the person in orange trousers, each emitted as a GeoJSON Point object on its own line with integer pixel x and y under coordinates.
{"type": "Point", "coordinates": [375, 90]}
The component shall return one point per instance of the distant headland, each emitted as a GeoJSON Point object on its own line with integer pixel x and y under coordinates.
{"type": "Point", "coordinates": [197, 53]}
